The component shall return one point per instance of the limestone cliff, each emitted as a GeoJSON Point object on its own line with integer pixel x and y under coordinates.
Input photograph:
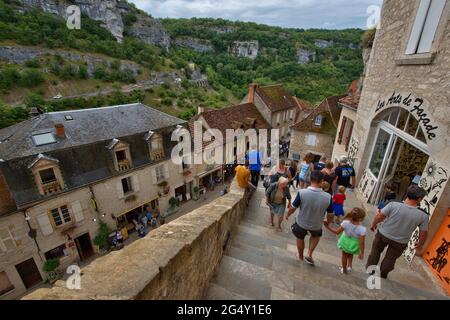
{"type": "Point", "coordinates": [111, 13]}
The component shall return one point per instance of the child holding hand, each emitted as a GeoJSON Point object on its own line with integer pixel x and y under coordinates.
{"type": "Point", "coordinates": [352, 239]}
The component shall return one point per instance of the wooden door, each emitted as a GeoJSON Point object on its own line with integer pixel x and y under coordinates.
{"type": "Point", "coordinates": [29, 273]}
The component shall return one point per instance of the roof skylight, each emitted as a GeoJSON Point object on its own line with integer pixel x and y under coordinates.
{"type": "Point", "coordinates": [43, 139]}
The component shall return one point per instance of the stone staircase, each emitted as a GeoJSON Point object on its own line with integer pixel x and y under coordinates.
{"type": "Point", "coordinates": [262, 264]}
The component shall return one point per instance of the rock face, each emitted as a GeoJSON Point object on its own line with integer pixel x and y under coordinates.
{"type": "Point", "coordinates": [323, 43]}
{"type": "Point", "coordinates": [111, 13]}
{"type": "Point", "coordinates": [246, 49]}
{"type": "Point", "coordinates": [198, 45]}
{"type": "Point", "coordinates": [150, 31]}
{"type": "Point", "coordinates": [21, 54]}
{"type": "Point", "coordinates": [306, 56]}
{"type": "Point", "coordinates": [105, 11]}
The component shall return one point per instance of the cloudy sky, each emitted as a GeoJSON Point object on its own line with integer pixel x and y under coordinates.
{"type": "Point", "coordinates": [330, 14]}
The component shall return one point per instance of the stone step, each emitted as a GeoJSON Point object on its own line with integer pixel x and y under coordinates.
{"type": "Point", "coordinates": [250, 280]}
{"type": "Point", "coordinates": [216, 292]}
{"type": "Point", "coordinates": [257, 282]}
{"type": "Point", "coordinates": [263, 256]}
{"type": "Point", "coordinates": [327, 245]}
{"type": "Point", "coordinates": [327, 266]}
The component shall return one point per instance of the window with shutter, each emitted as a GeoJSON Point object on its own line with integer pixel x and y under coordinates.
{"type": "Point", "coordinates": [45, 224]}
{"type": "Point", "coordinates": [7, 241]}
{"type": "Point", "coordinates": [127, 185]}
{"type": "Point", "coordinates": [77, 211]}
{"type": "Point", "coordinates": [61, 216]}
{"type": "Point", "coordinates": [135, 180]}
{"type": "Point", "coordinates": [425, 26]}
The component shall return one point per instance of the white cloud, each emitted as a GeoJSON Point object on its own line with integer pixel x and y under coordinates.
{"type": "Point", "coordinates": [285, 13]}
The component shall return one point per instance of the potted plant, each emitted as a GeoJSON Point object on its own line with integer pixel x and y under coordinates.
{"type": "Point", "coordinates": [195, 193]}
{"type": "Point", "coordinates": [101, 240]}
{"type": "Point", "coordinates": [173, 202]}
{"type": "Point", "coordinates": [50, 267]}
{"type": "Point", "coordinates": [173, 207]}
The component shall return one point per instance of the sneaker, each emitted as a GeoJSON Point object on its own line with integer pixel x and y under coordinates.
{"type": "Point", "coordinates": [309, 261]}
{"type": "Point", "coordinates": [341, 270]}
{"type": "Point", "coordinates": [349, 269]}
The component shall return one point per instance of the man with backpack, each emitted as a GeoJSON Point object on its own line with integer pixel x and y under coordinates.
{"type": "Point", "coordinates": [276, 173]}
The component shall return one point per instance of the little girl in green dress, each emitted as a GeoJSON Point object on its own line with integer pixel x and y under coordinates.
{"type": "Point", "coordinates": [351, 241]}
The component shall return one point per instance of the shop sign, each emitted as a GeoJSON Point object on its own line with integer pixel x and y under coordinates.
{"type": "Point", "coordinates": [416, 106]}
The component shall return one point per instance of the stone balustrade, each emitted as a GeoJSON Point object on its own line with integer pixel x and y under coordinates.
{"type": "Point", "coordinates": [175, 261]}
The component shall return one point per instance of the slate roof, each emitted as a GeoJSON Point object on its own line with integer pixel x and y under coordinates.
{"type": "Point", "coordinates": [330, 111]}
{"type": "Point", "coordinates": [276, 97]}
{"type": "Point", "coordinates": [88, 126]}
{"type": "Point", "coordinates": [82, 155]}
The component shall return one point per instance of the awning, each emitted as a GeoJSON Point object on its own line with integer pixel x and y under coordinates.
{"type": "Point", "coordinates": [125, 212]}
{"type": "Point", "coordinates": [204, 174]}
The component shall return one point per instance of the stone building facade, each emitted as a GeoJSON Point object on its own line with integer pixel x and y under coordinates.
{"type": "Point", "coordinates": [315, 133]}
{"type": "Point", "coordinates": [276, 105]}
{"type": "Point", "coordinates": [62, 173]}
{"type": "Point", "coordinates": [405, 105]}
{"type": "Point", "coordinates": [240, 117]}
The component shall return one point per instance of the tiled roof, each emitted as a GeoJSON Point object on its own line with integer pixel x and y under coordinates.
{"type": "Point", "coordinates": [351, 101]}
{"type": "Point", "coordinates": [329, 110]}
{"type": "Point", "coordinates": [353, 96]}
{"type": "Point", "coordinates": [276, 97]}
{"type": "Point", "coordinates": [243, 116]}
{"type": "Point", "coordinates": [303, 108]}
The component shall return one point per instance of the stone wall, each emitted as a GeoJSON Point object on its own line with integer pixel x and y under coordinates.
{"type": "Point", "coordinates": [175, 261]}
{"type": "Point", "coordinates": [423, 77]}
{"type": "Point", "coordinates": [299, 144]}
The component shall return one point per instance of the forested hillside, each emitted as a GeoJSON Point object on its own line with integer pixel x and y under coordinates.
{"type": "Point", "coordinates": [335, 56]}
{"type": "Point", "coordinates": [140, 58]}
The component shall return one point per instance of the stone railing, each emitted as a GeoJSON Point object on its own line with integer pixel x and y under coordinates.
{"type": "Point", "coordinates": [175, 261]}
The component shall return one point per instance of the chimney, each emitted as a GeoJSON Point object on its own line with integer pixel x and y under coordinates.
{"type": "Point", "coordinates": [59, 130]}
{"type": "Point", "coordinates": [200, 109]}
{"type": "Point", "coordinates": [251, 92]}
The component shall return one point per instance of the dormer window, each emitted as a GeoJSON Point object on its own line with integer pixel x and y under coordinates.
{"type": "Point", "coordinates": [121, 155]}
{"type": "Point", "coordinates": [47, 174]}
{"type": "Point", "coordinates": [156, 145]}
{"type": "Point", "coordinates": [318, 121]}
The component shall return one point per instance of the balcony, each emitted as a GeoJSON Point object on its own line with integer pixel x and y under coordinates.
{"type": "Point", "coordinates": [158, 155]}
{"type": "Point", "coordinates": [123, 165]}
{"type": "Point", "coordinates": [51, 187]}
